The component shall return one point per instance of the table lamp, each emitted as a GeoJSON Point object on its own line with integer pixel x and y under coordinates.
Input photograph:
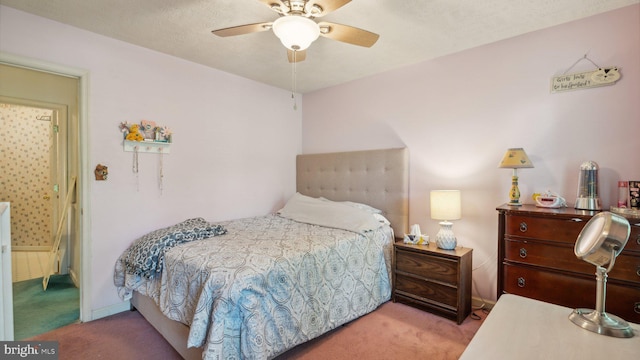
{"type": "Point", "coordinates": [446, 206]}
{"type": "Point", "coordinates": [515, 158]}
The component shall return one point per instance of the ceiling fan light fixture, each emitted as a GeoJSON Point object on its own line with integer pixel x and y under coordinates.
{"type": "Point", "coordinates": [296, 32]}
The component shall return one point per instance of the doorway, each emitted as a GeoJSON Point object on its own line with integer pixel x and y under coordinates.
{"type": "Point", "coordinates": [43, 112]}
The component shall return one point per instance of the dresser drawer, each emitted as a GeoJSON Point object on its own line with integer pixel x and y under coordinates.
{"type": "Point", "coordinates": [634, 239]}
{"type": "Point", "coordinates": [427, 291]}
{"type": "Point", "coordinates": [562, 257]}
{"type": "Point", "coordinates": [571, 291]}
{"type": "Point", "coordinates": [545, 228]}
{"type": "Point", "coordinates": [428, 266]}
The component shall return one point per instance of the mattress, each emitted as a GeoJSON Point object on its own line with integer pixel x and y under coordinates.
{"type": "Point", "coordinates": [268, 284]}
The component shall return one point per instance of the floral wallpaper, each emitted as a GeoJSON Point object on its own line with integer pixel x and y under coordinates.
{"type": "Point", "coordinates": [25, 173]}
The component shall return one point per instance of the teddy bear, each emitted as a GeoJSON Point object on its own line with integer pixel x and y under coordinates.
{"type": "Point", "coordinates": [101, 172]}
{"type": "Point", "coordinates": [134, 133]}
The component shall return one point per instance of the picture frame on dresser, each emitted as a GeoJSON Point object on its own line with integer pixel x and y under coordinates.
{"type": "Point", "coordinates": [536, 259]}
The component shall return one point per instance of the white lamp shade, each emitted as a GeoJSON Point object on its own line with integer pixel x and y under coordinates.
{"type": "Point", "coordinates": [296, 32]}
{"type": "Point", "coordinates": [446, 205]}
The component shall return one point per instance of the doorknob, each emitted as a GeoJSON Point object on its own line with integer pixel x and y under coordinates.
{"type": "Point", "coordinates": [46, 197]}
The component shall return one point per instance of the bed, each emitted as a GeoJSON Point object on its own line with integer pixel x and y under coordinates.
{"type": "Point", "coordinates": [276, 281]}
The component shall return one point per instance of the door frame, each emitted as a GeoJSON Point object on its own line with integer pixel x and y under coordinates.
{"type": "Point", "coordinates": [84, 171]}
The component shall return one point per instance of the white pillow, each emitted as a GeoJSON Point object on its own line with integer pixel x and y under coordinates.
{"type": "Point", "coordinates": [328, 213]}
{"type": "Point", "coordinates": [360, 206]}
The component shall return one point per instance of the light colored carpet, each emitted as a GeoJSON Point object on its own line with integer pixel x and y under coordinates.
{"type": "Point", "coordinates": [393, 331]}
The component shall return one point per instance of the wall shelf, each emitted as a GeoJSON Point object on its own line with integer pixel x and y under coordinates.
{"type": "Point", "coordinates": [155, 147]}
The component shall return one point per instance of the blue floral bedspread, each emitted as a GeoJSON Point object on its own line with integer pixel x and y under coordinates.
{"type": "Point", "coordinates": [268, 284]}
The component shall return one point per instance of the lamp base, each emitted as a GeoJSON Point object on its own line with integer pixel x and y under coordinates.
{"type": "Point", "coordinates": [445, 238]}
{"type": "Point", "coordinates": [601, 323]}
{"type": "Point", "coordinates": [514, 192]}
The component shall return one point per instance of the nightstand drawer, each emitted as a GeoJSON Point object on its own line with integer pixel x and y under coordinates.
{"type": "Point", "coordinates": [427, 266]}
{"type": "Point", "coordinates": [426, 290]}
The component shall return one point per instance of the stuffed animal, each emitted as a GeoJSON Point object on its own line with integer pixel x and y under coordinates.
{"type": "Point", "coordinates": [134, 133]}
{"type": "Point", "coordinates": [101, 172]}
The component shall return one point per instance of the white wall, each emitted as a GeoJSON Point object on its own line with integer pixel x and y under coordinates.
{"type": "Point", "coordinates": [235, 140]}
{"type": "Point", "coordinates": [458, 114]}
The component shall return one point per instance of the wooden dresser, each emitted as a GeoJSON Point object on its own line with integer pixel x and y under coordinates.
{"type": "Point", "coordinates": [536, 260]}
{"type": "Point", "coordinates": [433, 279]}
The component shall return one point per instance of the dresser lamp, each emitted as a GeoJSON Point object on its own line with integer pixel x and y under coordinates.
{"type": "Point", "coordinates": [446, 206]}
{"type": "Point", "coordinates": [515, 158]}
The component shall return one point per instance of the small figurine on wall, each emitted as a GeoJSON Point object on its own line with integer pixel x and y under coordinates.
{"type": "Point", "coordinates": [149, 129]}
{"type": "Point", "coordinates": [164, 134]}
{"type": "Point", "coordinates": [101, 172]}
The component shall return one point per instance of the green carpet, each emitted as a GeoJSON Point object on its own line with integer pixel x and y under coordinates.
{"type": "Point", "coordinates": [36, 311]}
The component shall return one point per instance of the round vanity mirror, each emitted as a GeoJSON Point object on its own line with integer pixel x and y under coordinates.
{"type": "Point", "coordinates": [602, 239]}
{"type": "Point", "coordinates": [599, 243]}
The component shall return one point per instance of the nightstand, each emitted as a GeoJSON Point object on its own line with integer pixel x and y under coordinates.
{"type": "Point", "coordinates": [433, 279]}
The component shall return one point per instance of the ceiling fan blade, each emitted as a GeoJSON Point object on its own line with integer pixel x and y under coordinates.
{"type": "Point", "coordinates": [243, 29]}
{"type": "Point", "coordinates": [348, 34]}
{"type": "Point", "coordinates": [296, 56]}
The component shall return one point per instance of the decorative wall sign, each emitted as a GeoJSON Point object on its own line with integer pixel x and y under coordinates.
{"type": "Point", "coordinates": [585, 80]}
{"type": "Point", "coordinates": [602, 76]}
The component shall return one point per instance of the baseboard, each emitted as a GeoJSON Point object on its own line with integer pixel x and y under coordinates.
{"type": "Point", "coordinates": [30, 248]}
{"type": "Point", "coordinates": [74, 278]}
{"type": "Point", "coordinates": [110, 310]}
{"type": "Point", "coordinates": [479, 303]}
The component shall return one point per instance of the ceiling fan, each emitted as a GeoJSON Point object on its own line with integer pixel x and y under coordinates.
{"type": "Point", "coordinates": [296, 28]}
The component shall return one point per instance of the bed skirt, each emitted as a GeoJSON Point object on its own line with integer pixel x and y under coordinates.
{"type": "Point", "coordinates": [176, 333]}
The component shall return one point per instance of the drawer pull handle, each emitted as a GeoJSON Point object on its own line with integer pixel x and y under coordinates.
{"type": "Point", "coordinates": [636, 307]}
{"type": "Point", "coordinates": [576, 220]}
{"type": "Point", "coordinates": [638, 271]}
{"type": "Point", "coordinates": [524, 227]}
{"type": "Point", "coordinates": [523, 254]}
{"type": "Point", "coordinates": [521, 282]}
{"type": "Point", "coordinates": [638, 240]}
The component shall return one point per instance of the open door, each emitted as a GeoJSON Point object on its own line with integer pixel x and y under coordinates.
{"type": "Point", "coordinates": [55, 257]}
{"type": "Point", "coordinates": [6, 300]}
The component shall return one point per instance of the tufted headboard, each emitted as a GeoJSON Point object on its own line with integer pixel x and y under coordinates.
{"type": "Point", "coordinates": [379, 178]}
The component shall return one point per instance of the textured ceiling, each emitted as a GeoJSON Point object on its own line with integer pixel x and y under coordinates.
{"type": "Point", "coordinates": [410, 31]}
